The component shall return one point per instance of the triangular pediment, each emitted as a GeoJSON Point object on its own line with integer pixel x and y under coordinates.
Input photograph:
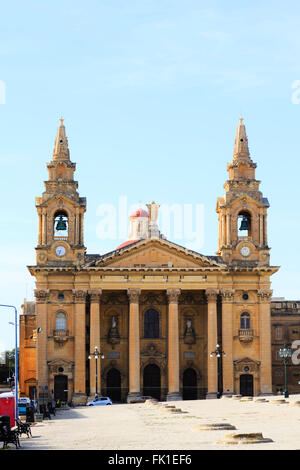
{"type": "Point", "coordinates": [32, 380]}
{"type": "Point", "coordinates": [60, 362]}
{"type": "Point", "coordinates": [156, 253]}
{"type": "Point", "coordinates": [59, 200]}
{"type": "Point", "coordinates": [247, 360]}
{"type": "Point", "coordinates": [246, 199]}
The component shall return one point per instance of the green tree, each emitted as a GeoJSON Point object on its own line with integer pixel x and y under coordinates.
{"type": "Point", "coordinates": [7, 367]}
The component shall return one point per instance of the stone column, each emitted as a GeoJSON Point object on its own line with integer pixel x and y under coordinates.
{"type": "Point", "coordinates": [40, 228]}
{"type": "Point", "coordinates": [95, 341]}
{"type": "Point", "coordinates": [81, 228]}
{"type": "Point", "coordinates": [44, 227]}
{"type": "Point", "coordinates": [223, 231]}
{"type": "Point", "coordinates": [42, 297]}
{"type": "Point", "coordinates": [212, 341]}
{"type": "Point", "coordinates": [265, 230]}
{"type": "Point", "coordinates": [80, 356]}
{"type": "Point", "coordinates": [227, 341]}
{"type": "Point", "coordinates": [173, 346]}
{"type": "Point", "coordinates": [134, 345]}
{"type": "Point", "coordinates": [264, 297]}
{"type": "Point", "coordinates": [76, 226]}
{"type": "Point", "coordinates": [228, 229]}
{"type": "Point", "coordinates": [261, 230]}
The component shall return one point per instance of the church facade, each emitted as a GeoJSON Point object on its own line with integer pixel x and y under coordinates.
{"type": "Point", "coordinates": [166, 321]}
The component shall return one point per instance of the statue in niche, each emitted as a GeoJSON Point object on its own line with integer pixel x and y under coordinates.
{"type": "Point", "coordinates": [189, 333]}
{"type": "Point", "coordinates": [113, 336]}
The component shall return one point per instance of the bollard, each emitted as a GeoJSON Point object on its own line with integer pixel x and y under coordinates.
{"type": "Point", "coordinates": [213, 427]}
{"type": "Point", "coordinates": [245, 438]}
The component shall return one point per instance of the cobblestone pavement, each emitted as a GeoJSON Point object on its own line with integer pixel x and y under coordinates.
{"type": "Point", "coordinates": [139, 426]}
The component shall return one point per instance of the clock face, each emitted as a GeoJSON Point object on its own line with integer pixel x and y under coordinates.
{"type": "Point", "coordinates": [60, 250]}
{"type": "Point", "coordinates": [245, 251]}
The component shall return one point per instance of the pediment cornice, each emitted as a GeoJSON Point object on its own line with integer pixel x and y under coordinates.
{"type": "Point", "coordinates": [161, 245]}
{"type": "Point", "coordinates": [243, 198]}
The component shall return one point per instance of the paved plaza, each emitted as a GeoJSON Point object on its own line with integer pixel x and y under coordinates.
{"type": "Point", "coordinates": [139, 426]}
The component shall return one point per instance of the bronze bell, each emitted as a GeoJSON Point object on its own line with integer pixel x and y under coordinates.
{"type": "Point", "coordinates": [61, 224]}
{"type": "Point", "coordinates": [245, 224]}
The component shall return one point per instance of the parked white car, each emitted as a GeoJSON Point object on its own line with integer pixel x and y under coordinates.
{"type": "Point", "coordinates": [24, 401]}
{"type": "Point", "coordinates": [100, 401]}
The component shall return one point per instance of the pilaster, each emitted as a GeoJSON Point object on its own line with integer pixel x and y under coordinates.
{"type": "Point", "coordinates": [264, 298]}
{"type": "Point", "coordinates": [212, 340]}
{"type": "Point", "coordinates": [95, 296]}
{"type": "Point", "coordinates": [79, 395]}
{"type": "Point", "coordinates": [227, 341]}
{"type": "Point", "coordinates": [134, 344]}
{"type": "Point", "coordinates": [173, 346]}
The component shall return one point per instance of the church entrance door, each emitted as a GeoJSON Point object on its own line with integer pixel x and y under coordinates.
{"type": "Point", "coordinates": [152, 381]}
{"type": "Point", "coordinates": [246, 385]}
{"type": "Point", "coordinates": [61, 388]}
{"type": "Point", "coordinates": [189, 391]}
{"type": "Point", "coordinates": [113, 385]}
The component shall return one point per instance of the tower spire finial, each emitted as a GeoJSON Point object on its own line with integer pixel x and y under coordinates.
{"type": "Point", "coordinates": [241, 148]}
{"type": "Point", "coordinates": [61, 149]}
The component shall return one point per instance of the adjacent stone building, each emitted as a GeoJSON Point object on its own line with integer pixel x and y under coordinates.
{"type": "Point", "coordinates": [285, 318]}
{"type": "Point", "coordinates": [154, 309]}
{"type": "Point", "coordinates": [27, 348]}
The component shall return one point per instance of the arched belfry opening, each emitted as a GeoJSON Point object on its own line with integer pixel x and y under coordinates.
{"type": "Point", "coordinates": [61, 224]}
{"type": "Point", "coordinates": [244, 224]}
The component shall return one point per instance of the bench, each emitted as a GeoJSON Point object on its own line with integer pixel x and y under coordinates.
{"type": "Point", "coordinates": [8, 435]}
{"type": "Point", "coordinates": [23, 428]}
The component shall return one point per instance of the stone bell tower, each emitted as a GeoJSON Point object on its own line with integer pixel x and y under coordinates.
{"type": "Point", "coordinates": [242, 212]}
{"type": "Point", "coordinates": [60, 210]}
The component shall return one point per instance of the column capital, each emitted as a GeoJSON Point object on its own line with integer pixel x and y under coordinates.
{"type": "Point", "coordinates": [41, 295]}
{"type": "Point", "coordinates": [79, 295]}
{"type": "Point", "coordinates": [95, 295]}
{"type": "Point", "coordinates": [173, 295]}
{"type": "Point", "coordinates": [264, 295]}
{"type": "Point", "coordinates": [227, 295]}
{"type": "Point", "coordinates": [134, 295]}
{"type": "Point", "coordinates": [211, 294]}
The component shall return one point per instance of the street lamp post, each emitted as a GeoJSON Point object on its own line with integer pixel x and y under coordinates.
{"type": "Point", "coordinates": [16, 358]}
{"type": "Point", "coordinates": [285, 353]}
{"type": "Point", "coordinates": [218, 353]}
{"type": "Point", "coordinates": [97, 355]}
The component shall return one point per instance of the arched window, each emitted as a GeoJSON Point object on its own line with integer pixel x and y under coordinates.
{"type": "Point", "coordinates": [61, 321]}
{"type": "Point", "coordinates": [244, 224]}
{"type": "Point", "coordinates": [245, 320]}
{"type": "Point", "coordinates": [151, 324]}
{"type": "Point", "coordinates": [61, 224]}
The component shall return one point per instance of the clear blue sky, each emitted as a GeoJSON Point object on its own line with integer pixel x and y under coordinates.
{"type": "Point", "coordinates": [151, 92]}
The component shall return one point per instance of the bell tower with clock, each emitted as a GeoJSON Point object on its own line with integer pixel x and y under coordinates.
{"type": "Point", "coordinates": [60, 210]}
{"type": "Point", "coordinates": [242, 212]}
